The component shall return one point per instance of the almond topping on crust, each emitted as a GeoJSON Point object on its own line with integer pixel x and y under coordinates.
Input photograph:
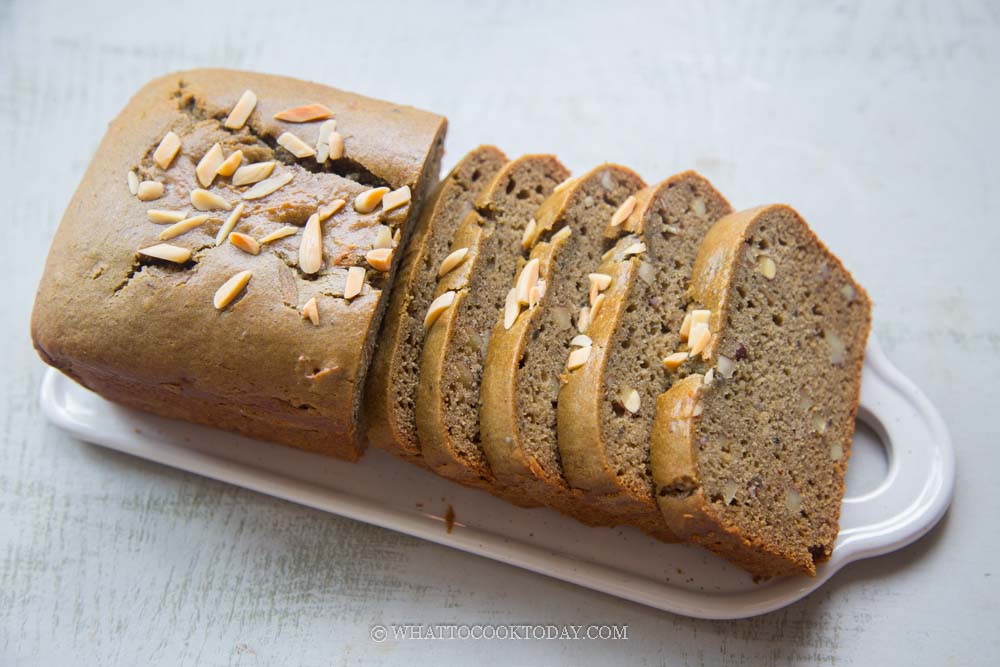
{"type": "Point", "coordinates": [266, 187]}
{"type": "Point", "coordinates": [167, 150]}
{"type": "Point", "coordinates": [304, 114]}
{"type": "Point", "coordinates": [438, 306]}
{"type": "Point", "coordinates": [631, 400]}
{"type": "Point", "coordinates": [598, 283]}
{"type": "Point", "coordinates": [536, 293]}
{"type": "Point", "coordinates": [530, 234]}
{"type": "Point", "coordinates": [231, 164]}
{"type": "Point", "coordinates": [395, 199]}
{"type": "Point", "coordinates": [330, 209]}
{"type": "Point", "coordinates": [383, 237]}
{"type": "Point", "coordinates": [229, 224]}
{"type": "Point", "coordinates": [595, 307]}
{"type": "Point", "coordinates": [452, 261]}
{"type": "Point", "coordinates": [766, 267]}
{"type": "Point", "coordinates": [565, 184]}
{"type": "Point", "coordinates": [203, 200]}
{"type": "Point", "coordinates": [241, 111]}
{"type": "Point", "coordinates": [295, 146]}
{"type": "Point", "coordinates": [244, 242]}
{"type": "Point", "coordinates": [149, 190]}
{"type": "Point", "coordinates": [709, 377]}
{"type": "Point", "coordinates": [252, 173]}
{"type": "Point", "coordinates": [163, 217]}
{"type": "Point", "coordinates": [396, 236]}
{"type": "Point", "coordinates": [183, 226]}
{"type": "Point", "coordinates": [133, 182]}
{"type": "Point", "coordinates": [368, 201]}
{"type": "Point", "coordinates": [578, 357]}
{"type": "Point", "coordinates": [701, 339]}
{"type": "Point", "coordinates": [379, 259]}
{"type": "Point", "coordinates": [674, 361]}
{"type": "Point", "coordinates": [686, 327]}
{"type": "Point", "coordinates": [562, 234]}
{"type": "Point", "coordinates": [311, 246]}
{"type": "Point", "coordinates": [623, 211]}
{"type": "Point", "coordinates": [355, 282]}
{"type": "Point", "coordinates": [634, 249]}
{"type": "Point", "coordinates": [323, 142]}
{"type": "Point", "coordinates": [511, 309]}
{"type": "Point", "coordinates": [310, 311]}
{"type": "Point", "coordinates": [286, 231]}
{"type": "Point", "coordinates": [231, 289]}
{"type": "Point", "coordinates": [526, 280]}
{"type": "Point", "coordinates": [167, 252]}
{"type": "Point", "coordinates": [581, 340]}
{"type": "Point", "coordinates": [583, 321]}
{"type": "Point", "coordinates": [336, 146]}
{"type": "Point", "coordinates": [209, 165]}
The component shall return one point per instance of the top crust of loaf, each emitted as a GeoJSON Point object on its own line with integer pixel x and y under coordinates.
{"type": "Point", "coordinates": [146, 333]}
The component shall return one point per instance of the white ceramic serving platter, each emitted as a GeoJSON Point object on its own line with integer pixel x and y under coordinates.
{"type": "Point", "coordinates": [902, 498]}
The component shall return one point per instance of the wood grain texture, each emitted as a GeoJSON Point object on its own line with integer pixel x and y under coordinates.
{"type": "Point", "coordinates": [876, 120]}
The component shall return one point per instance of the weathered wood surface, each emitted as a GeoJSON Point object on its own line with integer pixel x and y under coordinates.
{"type": "Point", "coordinates": [877, 120]}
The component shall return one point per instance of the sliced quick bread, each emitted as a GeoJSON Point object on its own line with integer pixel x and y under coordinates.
{"type": "Point", "coordinates": [749, 458]}
{"type": "Point", "coordinates": [530, 340]}
{"type": "Point", "coordinates": [390, 393]}
{"type": "Point", "coordinates": [607, 403]}
{"type": "Point", "coordinates": [461, 318]}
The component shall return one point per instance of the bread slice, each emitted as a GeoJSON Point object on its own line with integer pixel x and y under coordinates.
{"type": "Point", "coordinates": [749, 459]}
{"type": "Point", "coordinates": [606, 406]}
{"type": "Point", "coordinates": [456, 341]}
{"type": "Point", "coordinates": [392, 382]}
{"type": "Point", "coordinates": [529, 344]}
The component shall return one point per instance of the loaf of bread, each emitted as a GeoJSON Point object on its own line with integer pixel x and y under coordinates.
{"type": "Point", "coordinates": [390, 397]}
{"type": "Point", "coordinates": [226, 257]}
{"type": "Point", "coordinates": [749, 456]}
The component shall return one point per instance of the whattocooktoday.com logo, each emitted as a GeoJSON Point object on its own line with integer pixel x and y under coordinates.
{"type": "Point", "coordinates": [507, 631]}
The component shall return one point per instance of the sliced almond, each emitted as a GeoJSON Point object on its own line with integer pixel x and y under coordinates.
{"type": "Point", "coordinates": [634, 249]}
{"type": "Point", "coordinates": [266, 187]}
{"type": "Point", "coordinates": [511, 309]}
{"type": "Point", "coordinates": [184, 226]}
{"type": "Point", "coordinates": [647, 273]}
{"type": "Point", "coordinates": [686, 327]}
{"type": "Point", "coordinates": [581, 340]}
{"type": "Point", "coordinates": [623, 211]}
{"type": "Point", "coordinates": [323, 142]}
{"type": "Point", "coordinates": [583, 321]}
{"type": "Point", "coordinates": [203, 200]}
{"type": "Point", "coordinates": [355, 282]}
{"type": "Point", "coordinates": [209, 165]}
{"type": "Point", "coordinates": [709, 377]}
{"type": "Point", "coordinates": [562, 234]}
{"type": "Point", "coordinates": [167, 150]}
{"type": "Point", "coordinates": [530, 234]}
{"type": "Point", "coordinates": [565, 184]}
{"type": "Point", "coordinates": [229, 224]}
{"type": "Point", "coordinates": [700, 316]}
{"type": "Point", "coordinates": [578, 357]}
{"type": "Point", "coordinates": [295, 146]}
{"type": "Point", "coordinates": [133, 182]}
{"type": "Point", "coordinates": [149, 190]}
{"type": "Point", "coordinates": [526, 280]}
{"type": "Point", "coordinates": [231, 164]}
{"type": "Point", "coordinates": [284, 232]}
{"type": "Point", "coordinates": [231, 289]}
{"type": "Point", "coordinates": [310, 311]}
{"type": "Point", "coordinates": [252, 173]}
{"type": "Point", "coordinates": [304, 114]}
{"type": "Point", "coordinates": [438, 306]}
{"type": "Point", "coordinates": [396, 236]}
{"type": "Point", "coordinates": [383, 237]}
{"type": "Point", "coordinates": [330, 209]}
{"type": "Point", "coordinates": [336, 146]}
{"type": "Point", "coordinates": [379, 259]}
{"type": "Point", "coordinates": [598, 283]}
{"type": "Point", "coordinates": [245, 242]}
{"type": "Point", "coordinates": [368, 201]}
{"type": "Point", "coordinates": [536, 293]}
{"type": "Point", "coordinates": [167, 252]}
{"type": "Point", "coordinates": [698, 207]}
{"type": "Point", "coordinates": [396, 199]}
{"type": "Point", "coordinates": [164, 217]}
{"type": "Point", "coordinates": [701, 341]}
{"type": "Point", "coordinates": [452, 261]}
{"type": "Point", "coordinates": [595, 307]}
{"type": "Point", "coordinates": [674, 361]}
{"type": "Point", "coordinates": [726, 366]}
{"type": "Point", "coordinates": [631, 400]}
{"type": "Point", "coordinates": [696, 410]}
{"type": "Point", "coordinates": [241, 111]}
{"type": "Point", "coordinates": [766, 267]}
{"type": "Point", "coordinates": [311, 246]}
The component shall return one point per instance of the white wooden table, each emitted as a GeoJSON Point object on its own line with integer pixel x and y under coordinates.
{"type": "Point", "coordinates": [878, 122]}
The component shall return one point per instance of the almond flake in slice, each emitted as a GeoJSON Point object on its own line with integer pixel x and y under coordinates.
{"type": "Point", "coordinates": [311, 246]}
{"type": "Point", "coordinates": [231, 164]}
{"type": "Point", "coordinates": [379, 259]}
{"type": "Point", "coordinates": [231, 289]}
{"type": "Point", "coordinates": [396, 199]}
{"type": "Point", "coordinates": [686, 327]}
{"type": "Point", "coordinates": [530, 234]}
{"type": "Point", "coordinates": [383, 237]}
{"type": "Point", "coordinates": [209, 165]}
{"type": "Point", "coordinates": [634, 249]}
{"type": "Point", "coordinates": [595, 307]}
{"type": "Point", "coordinates": [149, 190]}
{"type": "Point", "coordinates": [284, 232]}
{"type": "Point", "coordinates": [241, 111]}
{"type": "Point", "coordinates": [355, 282]}
{"type": "Point", "coordinates": [167, 150]}
{"type": "Point", "coordinates": [310, 311]}
{"type": "Point", "coordinates": [203, 200]}
{"type": "Point", "coordinates": [133, 182]}
{"type": "Point", "coordinates": [526, 280]}
{"type": "Point", "coordinates": [766, 267]}
{"type": "Point", "coordinates": [164, 217]}
{"type": "Point", "coordinates": [184, 226]}
{"type": "Point", "coordinates": [295, 146]}
{"type": "Point", "coordinates": [565, 184]}
{"type": "Point", "coordinates": [578, 357]}
{"type": "Point", "coordinates": [583, 321]}
{"type": "Point", "coordinates": [330, 209]}
{"type": "Point", "coordinates": [266, 187]}
{"type": "Point", "coordinates": [623, 211]}
{"type": "Point", "coordinates": [167, 252]}
{"type": "Point", "coordinates": [244, 242]}
{"type": "Point", "coordinates": [511, 309]}
{"type": "Point", "coordinates": [701, 338]}
{"type": "Point", "coordinates": [368, 201]}
{"type": "Point", "coordinates": [252, 173]}
{"type": "Point", "coordinates": [674, 361]}
{"type": "Point", "coordinates": [438, 306]}
{"type": "Point", "coordinates": [229, 224]}
{"type": "Point", "coordinates": [631, 400]}
{"type": "Point", "coordinates": [304, 114]}
{"type": "Point", "coordinates": [581, 340]}
{"type": "Point", "coordinates": [336, 146]}
{"type": "Point", "coordinates": [452, 261]}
